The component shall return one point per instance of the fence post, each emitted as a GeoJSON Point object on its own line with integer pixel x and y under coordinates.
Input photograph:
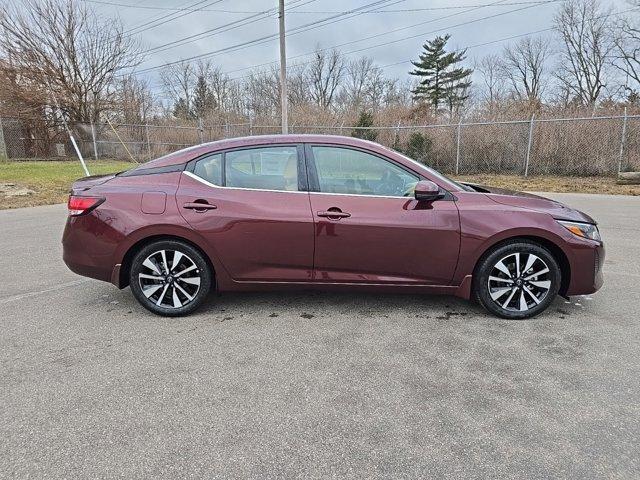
{"type": "Point", "coordinates": [250, 126]}
{"type": "Point", "coordinates": [396, 140]}
{"type": "Point", "coordinates": [458, 146]}
{"type": "Point", "coordinates": [3, 147]}
{"type": "Point", "coordinates": [146, 131]}
{"type": "Point", "coordinates": [95, 144]}
{"type": "Point", "coordinates": [623, 140]}
{"type": "Point", "coordinates": [526, 160]}
{"type": "Point", "coordinates": [200, 131]}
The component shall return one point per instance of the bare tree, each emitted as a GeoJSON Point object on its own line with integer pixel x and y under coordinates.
{"type": "Point", "coordinates": [298, 86]}
{"type": "Point", "coordinates": [524, 67]}
{"type": "Point", "coordinates": [376, 88]}
{"type": "Point", "coordinates": [226, 92]}
{"type": "Point", "coordinates": [178, 82]}
{"type": "Point", "coordinates": [61, 47]}
{"type": "Point", "coordinates": [357, 78]}
{"type": "Point", "coordinates": [493, 82]}
{"type": "Point", "coordinates": [364, 85]}
{"type": "Point", "coordinates": [262, 91]}
{"type": "Point", "coordinates": [627, 53]}
{"type": "Point", "coordinates": [326, 71]}
{"type": "Point", "coordinates": [587, 35]}
{"type": "Point", "coordinates": [134, 100]}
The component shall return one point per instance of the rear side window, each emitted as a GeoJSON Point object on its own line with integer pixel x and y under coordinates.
{"type": "Point", "coordinates": [210, 169]}
{"type": "Point", "coordinates": [269, 168]}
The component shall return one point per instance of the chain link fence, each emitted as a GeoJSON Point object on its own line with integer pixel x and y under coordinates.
{"type": "Point", "coordinates": [584, 146]}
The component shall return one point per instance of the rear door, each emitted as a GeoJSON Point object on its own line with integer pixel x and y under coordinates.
{"type": "Point", "coordinates": [368, 226]}
{"type": "Point", "coordinates": [252, 206]}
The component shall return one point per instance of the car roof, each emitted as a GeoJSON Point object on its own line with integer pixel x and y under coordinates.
{"type": "Point", "coordinates": [186, 154]}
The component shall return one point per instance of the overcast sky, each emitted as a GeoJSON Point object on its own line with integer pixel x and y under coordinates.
{"type": "Point", "coordinates": [392, 22]}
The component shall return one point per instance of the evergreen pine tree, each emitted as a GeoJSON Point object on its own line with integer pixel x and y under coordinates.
{"type": "Point", "coordinates": [418, 147]}
{"type": "Point", "coordinates": [442, 81]}
{"type": "Point", "coordinates": [181, 109]}
{"type": "Point", "coordinates": [365, 120]}
{"type": "Point", "coordinates": [203, 99]}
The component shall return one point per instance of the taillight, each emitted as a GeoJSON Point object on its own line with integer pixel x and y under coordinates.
{"type": "Point", "coordinates": [81, 205]}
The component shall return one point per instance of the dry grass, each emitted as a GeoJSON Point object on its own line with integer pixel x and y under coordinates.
{"type": "Point", "coordinates": [50, 181]}
{"type": "Point", "coordinates": [605, 185]}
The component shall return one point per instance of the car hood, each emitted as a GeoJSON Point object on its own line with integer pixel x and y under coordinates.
{"type": "Point", "coordinates": [533, 202]}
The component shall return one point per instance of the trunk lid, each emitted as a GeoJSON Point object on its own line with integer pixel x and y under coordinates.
{"type": "Point", "coordinates": [85, 183]}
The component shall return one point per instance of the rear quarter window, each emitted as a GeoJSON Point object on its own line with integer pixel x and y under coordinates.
{"type": "Point", "coordinates": [209, 168]}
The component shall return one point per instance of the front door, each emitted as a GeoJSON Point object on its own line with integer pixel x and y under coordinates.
{"type": "Point", "coordinates": [251, 206]}
{"type": "Point", "coordinates": [368, 226]}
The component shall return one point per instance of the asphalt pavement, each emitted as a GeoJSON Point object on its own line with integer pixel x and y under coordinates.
{"type": "Point", "coordinates": [314, 385]}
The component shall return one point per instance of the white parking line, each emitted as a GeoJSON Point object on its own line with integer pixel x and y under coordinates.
{"type": "Point", "coordinates": [40, 292]}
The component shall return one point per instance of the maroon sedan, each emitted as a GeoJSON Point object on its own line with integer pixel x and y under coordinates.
{"type": "Point", "coordinates": [323, 212]}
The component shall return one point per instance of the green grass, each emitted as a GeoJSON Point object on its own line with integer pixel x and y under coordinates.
{"type": "Point", "coordinates": [50, 181]}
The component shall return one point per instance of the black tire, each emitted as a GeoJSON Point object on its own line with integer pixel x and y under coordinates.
{"type": "Point", "coordinates": [180, 293]}
{"type": "Point", "coordinates": [491, 279]}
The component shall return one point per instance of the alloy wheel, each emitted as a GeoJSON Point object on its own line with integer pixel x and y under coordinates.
{"type": "Point", "coordinates": [519, 281]}
{"type": "Point", "coordinates": [169, 279]}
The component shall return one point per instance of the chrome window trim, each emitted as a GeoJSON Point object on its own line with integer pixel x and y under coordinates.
{"type": "Point", "coordinates": [209, 184]}
{"type": "Point", "coordinates": [362, 195]}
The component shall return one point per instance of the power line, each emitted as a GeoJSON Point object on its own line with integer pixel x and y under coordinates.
{"type": "Point", "coordinates": [535, 32]}
{"type": "Point", "coordinates": [266, 38]}
{"type": "Point", "coordinates": [306, 12]}
{"type": "Point", "coordinates": [381, 34]}
{"type": "Point", "coordinates": [174, 16]}
{"type": "Point", "coordinates": [499, 2]}
{"type": "Point", "coordinates": [441, 29]}
{"type": "Point", "coordinates": [512, 37]}
{"type": "Point", "coordinates": [214, 31]}
{"type": "Point", "coordinates": [222, 28]}
{"type": "Point", "coordinates": [162, 19]}
{"type": "Point", "coordinates": [161, 16]}
{"type": "Point", "coordinates": [484, 44]}
{"type": "Point", "coordinates": [458, 25]}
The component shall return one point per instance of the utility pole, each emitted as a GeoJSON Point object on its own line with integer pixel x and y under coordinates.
{"type": "Point", "coordinates": [283, 73]}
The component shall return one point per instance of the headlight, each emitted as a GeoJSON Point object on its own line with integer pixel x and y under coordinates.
{"type": "Point", "coordinates": [584, 230]}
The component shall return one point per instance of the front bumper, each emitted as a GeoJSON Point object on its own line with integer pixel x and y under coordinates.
{"type": "Point", "coordinates": [586, 269]}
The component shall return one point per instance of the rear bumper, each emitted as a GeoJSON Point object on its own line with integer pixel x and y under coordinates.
{"type": "Point", "coordinates": [85, 252]}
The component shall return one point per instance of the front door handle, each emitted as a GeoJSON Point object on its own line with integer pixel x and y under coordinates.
{"type": "Point", "coordinates": [334, 214]}
{"type": "Point", "coordinates": [199, 206]}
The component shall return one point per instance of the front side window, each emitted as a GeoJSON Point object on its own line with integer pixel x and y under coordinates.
{"type": "Point", "coordinates": [269, 168]}
{"type": "Point", "coordinates": [210, 169]}
{"type": "Point", "coordinates": [347, 171]}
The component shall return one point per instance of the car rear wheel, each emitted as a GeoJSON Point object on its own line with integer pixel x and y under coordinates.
{"type": "Point", "coordinates": [517, 280]}
{"type": "Point", "coordinates": [170, 278]}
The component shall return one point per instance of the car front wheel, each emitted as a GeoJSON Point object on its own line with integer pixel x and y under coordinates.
{"type": "Point", "coordinates": [170, 278]}
{"type": "Point", "coordinates": [517, 280]}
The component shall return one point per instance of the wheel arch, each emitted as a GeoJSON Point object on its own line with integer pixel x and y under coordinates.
{"type": "Point", "coordinates": [125, 266]}
{"type": "Point", "coordinates": [558, 254]}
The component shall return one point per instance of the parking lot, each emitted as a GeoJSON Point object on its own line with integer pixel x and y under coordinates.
{"type": "Point", "coordinates": [314, 385]}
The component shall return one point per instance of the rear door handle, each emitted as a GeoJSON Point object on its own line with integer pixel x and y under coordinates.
{"type": "Point", "coordinates": [333, 214]}
{"type": "Point", "coordinates": [199, 206]}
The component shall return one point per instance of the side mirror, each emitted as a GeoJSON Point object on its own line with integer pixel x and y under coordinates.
{"type": "Point", "coordinates": [427, 191]}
